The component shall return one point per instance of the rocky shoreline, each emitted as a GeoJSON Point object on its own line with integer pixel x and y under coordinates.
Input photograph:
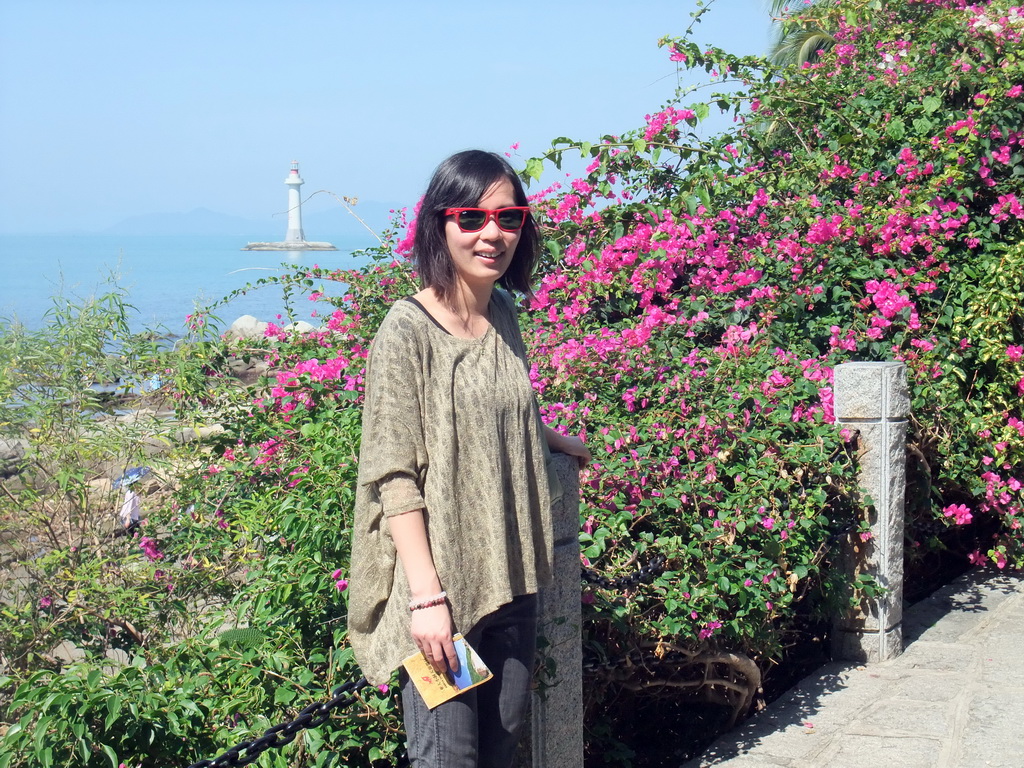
{"type": "Point", "coordinates": [303, 246]}
{"type": "Point", "coordinates": [135, 408]}
{"type": "Point", "coordinates": [144, 416]}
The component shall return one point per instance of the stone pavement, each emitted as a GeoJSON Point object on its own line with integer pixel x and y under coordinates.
{"type": "Point", "coordinates": [954, 699]}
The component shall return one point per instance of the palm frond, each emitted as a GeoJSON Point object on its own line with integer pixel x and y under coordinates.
{"type": "Point", "coordinates": [800, 45]}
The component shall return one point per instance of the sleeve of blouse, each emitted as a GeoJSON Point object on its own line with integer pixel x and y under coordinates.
{"type": "Point", "coordinates": [393, 458]}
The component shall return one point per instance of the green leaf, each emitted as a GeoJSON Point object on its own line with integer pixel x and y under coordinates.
{"type": "Point", "coordinates": [41, 729]}
{"type": "Point", "coordinates": [923, 126]}
{"type": "Point", "coordinates": [111, 755]}
{"type": "Point", "coordinates": [284, 695]}
{"type": "Point", "coordinates": [931, 104]}
{"type": "Point", "coordinates": [896, 130]}
{"type": "Point", "coordinates": [534, 168]}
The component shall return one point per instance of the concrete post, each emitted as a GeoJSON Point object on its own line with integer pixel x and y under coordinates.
{"type": "Point", "coordinates": [872, 398]}
{"type": "Point", "coordinates": [556, 728]}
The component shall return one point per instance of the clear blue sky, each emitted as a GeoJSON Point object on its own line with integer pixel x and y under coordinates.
{"type": "Point", "coordinates": [115, 108]}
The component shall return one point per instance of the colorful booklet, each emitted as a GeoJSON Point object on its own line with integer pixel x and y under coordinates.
{"type": "Point", "coordinates": [438, 688]}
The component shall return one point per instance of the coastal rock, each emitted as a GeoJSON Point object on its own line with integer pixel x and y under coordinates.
{"type": "Point", "coordinates": [191, 434]}
{"type": "Point", "coordinates": [67, 652]}
{"type": "Point", "coordinates": [247, 371]}
{"type": "Point", "coordinates": [299, 327]}
{"type": "Point", "coordinates": [100, 491]}
{"type": "Point", "coordinates": [143, 414]}
{"type": "Point", "coordinates": [247, 327]}
{"type": "Point", "coordinates": [12, 451]}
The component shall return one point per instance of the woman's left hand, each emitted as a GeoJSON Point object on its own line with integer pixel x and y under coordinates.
{"type": "Point", "coordinates": [568, 444]}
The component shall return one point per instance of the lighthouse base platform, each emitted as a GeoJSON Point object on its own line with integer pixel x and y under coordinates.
{"type": "Point", "coordinates": [301, 245]}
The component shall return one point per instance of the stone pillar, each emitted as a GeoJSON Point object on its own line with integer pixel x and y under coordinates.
{"type": "Point", "coordinates": [872, 398]}
{"type": "Point", "coordinates": [555, 735]}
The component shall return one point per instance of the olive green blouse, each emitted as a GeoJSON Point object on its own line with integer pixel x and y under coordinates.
{"type": "Point", "coordinates": [450, 426]}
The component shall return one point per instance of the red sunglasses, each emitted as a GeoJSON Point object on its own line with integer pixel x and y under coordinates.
{"type": "Point", "coordinates": [474, 219]}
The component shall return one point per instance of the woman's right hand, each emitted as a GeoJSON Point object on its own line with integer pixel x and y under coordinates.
{"type": "Point", "coordinates": [432, 632]}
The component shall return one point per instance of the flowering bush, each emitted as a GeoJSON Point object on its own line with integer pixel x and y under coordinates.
{"type": "Point", "coordinates": [696, 297]}
{"type": "Point", "coordinates": [703, 292]}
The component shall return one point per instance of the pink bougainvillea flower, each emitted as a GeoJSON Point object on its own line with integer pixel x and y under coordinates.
{"type": "Point", "coordinates": [960, 512]}
{"type": "Point", "coordinates": [1015, 352]}
{"type": "Point", "coordinates": [709, 629]}
{"type": "Point", "coordinates": [404, 246]}
{"type": "Point", "coordinates": [149, 548]}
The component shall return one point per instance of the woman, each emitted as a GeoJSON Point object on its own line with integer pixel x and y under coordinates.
{"type": "Point", "coordinates": [452, 530]}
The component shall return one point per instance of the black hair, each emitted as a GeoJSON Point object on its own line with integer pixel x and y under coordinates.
{"type": "Point", "coordinates": [460, 182]}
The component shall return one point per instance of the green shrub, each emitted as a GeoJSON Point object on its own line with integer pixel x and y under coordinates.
{"type": "Point", "coordinates": [696, 296]}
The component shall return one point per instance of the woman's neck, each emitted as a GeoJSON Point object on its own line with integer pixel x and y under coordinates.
{"type": "Point", "coordinates": [468, 316]}
{"type": "Point", "coordinates": [472, 302]}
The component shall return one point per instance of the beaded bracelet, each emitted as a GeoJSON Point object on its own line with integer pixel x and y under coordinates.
{"type": "Point", "coordinates": [428, 602]}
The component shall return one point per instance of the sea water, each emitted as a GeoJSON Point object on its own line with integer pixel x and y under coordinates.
{"type": "Point", "coordinates": [165, 276]}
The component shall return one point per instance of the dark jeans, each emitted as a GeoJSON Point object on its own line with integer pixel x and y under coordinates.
{"type": "Point", "coordinates": [482, 726]}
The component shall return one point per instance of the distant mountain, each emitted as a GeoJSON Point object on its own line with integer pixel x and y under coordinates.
{"type": "Point", "coordinates": [322, 224]}
{"type": "Point", "coordinates": [201, 221]}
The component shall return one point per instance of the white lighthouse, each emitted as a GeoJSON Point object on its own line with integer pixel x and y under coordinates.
{"type": "Point", "coordinates": [294, 237]}
{"type": "Point", "coordinates": [294, 182]}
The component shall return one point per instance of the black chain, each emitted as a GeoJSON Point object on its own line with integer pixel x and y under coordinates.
{"type": "Point", "coordinates": [317, 714]}
{"type": "Point", "coordinates": [644, 575]}
{"type": "Point", "coordinates": [313, 716]}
